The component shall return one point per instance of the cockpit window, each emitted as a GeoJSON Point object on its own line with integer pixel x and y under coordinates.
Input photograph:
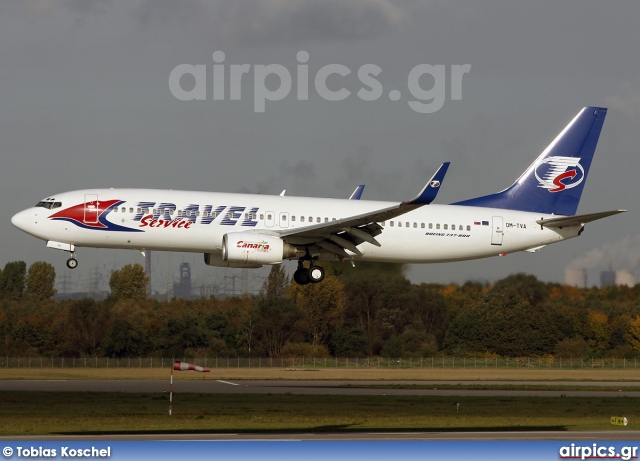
{"type": "Point", "coordinates": [48, 204]}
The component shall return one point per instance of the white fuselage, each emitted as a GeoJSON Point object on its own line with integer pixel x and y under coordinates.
{"type": "Point", "coordinates": [147, 219]}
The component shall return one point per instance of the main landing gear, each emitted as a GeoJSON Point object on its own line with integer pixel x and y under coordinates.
{"type": "Point", "coordinates": [314, 274]}
{"type": "Point", "coordinates": [72, 262]}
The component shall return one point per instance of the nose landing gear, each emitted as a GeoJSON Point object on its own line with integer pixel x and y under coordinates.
{"type": "Point", "coordinates": [70, 248]}
{"type": "Point", "coordinates": [72, 262]}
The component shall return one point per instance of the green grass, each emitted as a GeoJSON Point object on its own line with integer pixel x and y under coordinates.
{"type": "Point", "coordinates": [495, 387]}
{"type": "Point", "coordinates": [50, 413]}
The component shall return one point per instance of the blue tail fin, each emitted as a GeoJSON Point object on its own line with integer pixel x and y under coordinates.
{"type": "Point", "coordinates": [554, 182]}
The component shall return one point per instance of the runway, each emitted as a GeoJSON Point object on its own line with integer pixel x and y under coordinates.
{"type": "Point", "coordinates": [314, 387]}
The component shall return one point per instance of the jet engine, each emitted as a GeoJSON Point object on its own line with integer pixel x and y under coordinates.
{"type": "Point", "coordinates": [253, 248]}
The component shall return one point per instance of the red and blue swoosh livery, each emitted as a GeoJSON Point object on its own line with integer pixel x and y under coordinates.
{"type": "Point", "coordinates": [77, 215]}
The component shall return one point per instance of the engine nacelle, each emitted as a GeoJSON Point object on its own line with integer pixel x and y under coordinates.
{"type": "Point", "coordinates": [253, 248]}
{"type": "Point", "coordinates": [215, 259]}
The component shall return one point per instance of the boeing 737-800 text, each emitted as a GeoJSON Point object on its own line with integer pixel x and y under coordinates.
{"type": "Point", "coordinates": [252, 230]}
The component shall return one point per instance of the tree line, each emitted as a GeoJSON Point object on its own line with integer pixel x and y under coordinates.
{"type": "Point", "coordinates": [370, 311]}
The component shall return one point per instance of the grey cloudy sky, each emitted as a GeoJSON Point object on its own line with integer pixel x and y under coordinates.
{"type": "Point", "coordinates": [85, 101]}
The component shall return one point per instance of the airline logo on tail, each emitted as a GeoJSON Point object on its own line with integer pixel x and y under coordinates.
{"type": "Point", "coordinates": [559, 173]}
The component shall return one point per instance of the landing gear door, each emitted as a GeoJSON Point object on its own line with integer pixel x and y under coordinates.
{"type": "Point", "coordinates": [498, 232]}
{"type": "Point", "coordinates": [91, 208]}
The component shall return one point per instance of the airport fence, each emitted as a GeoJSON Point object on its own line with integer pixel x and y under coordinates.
{"type": "Point", "coordinates": [324, 362]}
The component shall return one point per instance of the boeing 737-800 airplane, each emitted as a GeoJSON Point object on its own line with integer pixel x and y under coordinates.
{"type": "Point", "coordinates": [251, 230]}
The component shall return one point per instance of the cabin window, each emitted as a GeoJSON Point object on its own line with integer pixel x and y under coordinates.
{"type": "Point", "coordinates": [399, 223]}
{"type": "Point", "coordinates": [261, 217]}
{"type": "Point", "coordinates": [123, 209]}
{"type": "Point", "coordinates": [301, 218]}
{"type": "Point", "coordinates": [115, 210]}
{"type": "Point", "coordinates": [438, 226]}
{"type": "Point", "coordinates": [422, 225]}
{"type": "Point", "coordinates": [284, 217]}
{"type": "Point", "coordinates": [453, 227]}
{"type": "Point", "coordinates": [269, 217]}
{"type": "Point", "coordinates": [391, 223]}
{"type": "Point", "coordinates": [318, 219]}
{"type": "Point", "coordinates": [408, 224]}
{"type": "Point", "coordinates": [446, 227]}
{"type": "Point", "coordinates": [326, 219]}
{"type": "Point", "coordinates": [293, 218]}
{"type": "Point", "coordinates": [468, 228]}
{"type": "Point", "coordinates": [430, 225]}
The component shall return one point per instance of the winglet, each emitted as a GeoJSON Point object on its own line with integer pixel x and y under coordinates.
{"type": "Point", "coordinates": [430, 190]}
{"type": "Point", "coordinates": [357, 193]}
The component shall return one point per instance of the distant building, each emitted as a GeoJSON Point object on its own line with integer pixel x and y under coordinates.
{"type": "Point", "coordinates": [182, 289]}
{"type": "Point", "coordinates": [607, 278]}
{"type": "Point", "coordinates": [575, 277]}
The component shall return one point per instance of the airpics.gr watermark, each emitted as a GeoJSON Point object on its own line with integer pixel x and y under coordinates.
{"type": "Point", "coordinates": [428, 94]}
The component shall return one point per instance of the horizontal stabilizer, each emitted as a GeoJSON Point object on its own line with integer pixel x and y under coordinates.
{"type": "Point", "coordinates": [534, 249]}
{"type": "Point", "coordinates": [567, 221]}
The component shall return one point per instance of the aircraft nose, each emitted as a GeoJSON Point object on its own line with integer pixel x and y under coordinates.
{"type": "Point", "coordinates": [22, 220]}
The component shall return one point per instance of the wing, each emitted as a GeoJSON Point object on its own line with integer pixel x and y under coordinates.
{"type": "Point", "coordinates": [347, 233]}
